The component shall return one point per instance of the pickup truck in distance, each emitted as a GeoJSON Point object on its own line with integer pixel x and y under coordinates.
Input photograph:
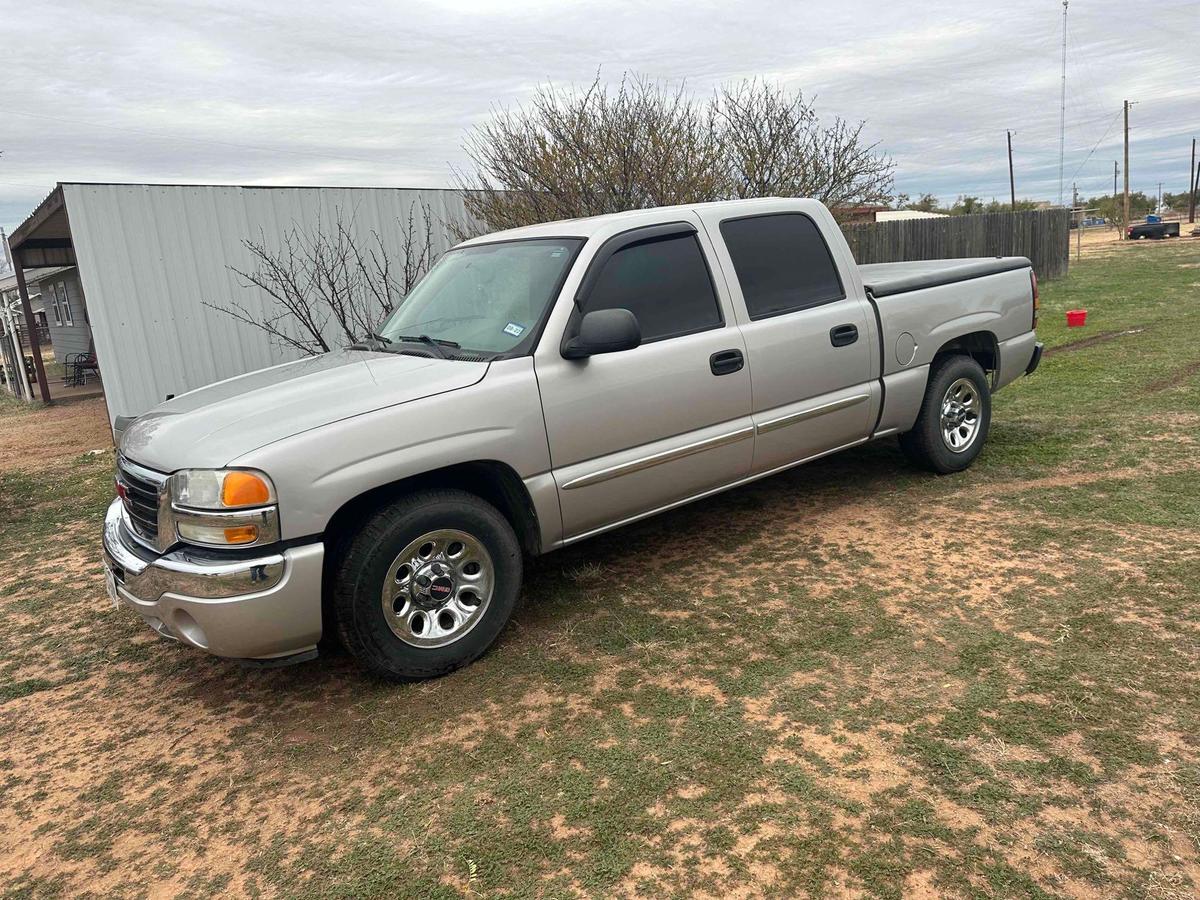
{"type": "Point", "coordinates": [1155, 230]}
{"type": "Point", "coordinates": [537, 387]}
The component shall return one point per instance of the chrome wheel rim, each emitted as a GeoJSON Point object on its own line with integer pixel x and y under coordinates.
{"type": "Point", "coordinates": [438, 588]}
{"type": "Point", "coordinates": [960, 415]}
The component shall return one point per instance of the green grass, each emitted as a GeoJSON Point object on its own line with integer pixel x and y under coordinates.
{"type": "Point", "coordinates": [851, 677]}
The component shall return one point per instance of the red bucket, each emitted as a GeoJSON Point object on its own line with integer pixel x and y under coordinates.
{"type": "Point", "coordinates": [1076, 318]}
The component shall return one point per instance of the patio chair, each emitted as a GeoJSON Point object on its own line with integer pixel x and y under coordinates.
{"type": "Point", "coordinates": [79, 364]}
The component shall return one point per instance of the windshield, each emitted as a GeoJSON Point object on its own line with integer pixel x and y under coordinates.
{"type": "Point", "coordinates": [488, 298]}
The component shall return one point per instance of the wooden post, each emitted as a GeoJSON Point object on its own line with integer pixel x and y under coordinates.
{"type": "Point", "coordinates": [31, 327]}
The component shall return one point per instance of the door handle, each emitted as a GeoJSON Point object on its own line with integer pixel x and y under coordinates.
{"type": "Point", "coordinates": [726, 362]}
{"type": "Point", "coordinates": [842, 335]}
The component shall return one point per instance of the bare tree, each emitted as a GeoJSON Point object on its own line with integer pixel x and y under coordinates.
{"type": "Point", "coordinates": [582, 152]}
{"type": "Point", "coordinates": [325, 286]}
{"type": "Point", "coordinates": [775, 145]}
{"type": "Point", "coordinates": [601, 149]}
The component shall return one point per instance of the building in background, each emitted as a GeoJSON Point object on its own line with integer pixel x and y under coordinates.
{"type": "Point", "coordinates": [150, 258]}
{"type": "Point", "coordinates": [60, 319]}
{"type": "Point", "coordinates": [899, 215]}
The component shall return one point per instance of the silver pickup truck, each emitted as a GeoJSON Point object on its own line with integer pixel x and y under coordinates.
{"type": "Point", "coordinates": [538, 387]}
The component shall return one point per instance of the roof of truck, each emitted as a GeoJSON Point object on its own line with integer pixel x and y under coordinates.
{"type": "Point", "coordinates": [586, 227]}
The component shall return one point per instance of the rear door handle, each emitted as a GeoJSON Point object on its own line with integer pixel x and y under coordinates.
{"type": "Point", "coordinates": [726, 362]}
{"type": "Point", "coordinates": [842, 335]}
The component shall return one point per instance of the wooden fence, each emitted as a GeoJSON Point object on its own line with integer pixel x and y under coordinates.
{"type": "Point", "coordinates": [1041, 235]}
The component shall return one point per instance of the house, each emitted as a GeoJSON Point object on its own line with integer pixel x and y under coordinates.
{"type": "Point", "coordinates": [56, 298]}
{"type": "Point", "coordinates": [853, 215]}
{"type": "Point", "coordinates": [59, 315]}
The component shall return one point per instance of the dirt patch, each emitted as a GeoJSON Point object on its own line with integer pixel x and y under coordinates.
{"type": "Point", "coordinates": [1176, 378]}
{"type": "Point", "coordinates": [1092, 341]}
{"type": "Point", "coordinates": [31, 440]}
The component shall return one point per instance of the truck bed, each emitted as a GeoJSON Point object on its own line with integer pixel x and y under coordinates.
{"type": "Point", "coordinates": [885, 279]}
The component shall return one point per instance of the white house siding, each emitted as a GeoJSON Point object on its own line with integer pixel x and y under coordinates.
{"type": "Point", "coordinates": [66, 339]}
{"type": "Point", "coordinates": [149, 256]}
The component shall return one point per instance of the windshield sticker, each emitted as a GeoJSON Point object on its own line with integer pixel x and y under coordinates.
{"type": "Point", "coordinates": [514, 329]}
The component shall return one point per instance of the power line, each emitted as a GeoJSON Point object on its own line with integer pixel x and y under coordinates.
{"type": "Point", "coordinates": [1111, 122]}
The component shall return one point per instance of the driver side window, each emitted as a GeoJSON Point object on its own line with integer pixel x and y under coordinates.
{"type": "Point", "coordinates": [665, 282]}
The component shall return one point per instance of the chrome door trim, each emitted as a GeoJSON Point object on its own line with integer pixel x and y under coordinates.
{"type": "Point", "coordinates": [805, 414]}
{"type": "Point", "coordinates": [659, 458]}
{"type": "Point", "coordinates": [629, 520]}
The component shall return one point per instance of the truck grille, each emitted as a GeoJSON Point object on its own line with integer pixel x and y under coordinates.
{"type": "Point", "coordinates": [140, 498]}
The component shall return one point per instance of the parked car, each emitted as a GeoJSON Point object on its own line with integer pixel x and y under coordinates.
{"type": "Point", "coordinates": [1156, 229]}
{"type": "Point", "coordinates": [538, 387]}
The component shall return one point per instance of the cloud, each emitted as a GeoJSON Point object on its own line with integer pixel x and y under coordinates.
{"type": "Point", "coordinates": [373, 94]}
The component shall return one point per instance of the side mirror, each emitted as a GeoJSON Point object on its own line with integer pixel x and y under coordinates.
{"type": "Point", "coordinates": [604, 331]}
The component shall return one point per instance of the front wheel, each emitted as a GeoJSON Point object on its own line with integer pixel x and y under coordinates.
{"type": "Point", "coordinates": [427, 585]}
{"type": "Point", "coordinates": [954, 418]}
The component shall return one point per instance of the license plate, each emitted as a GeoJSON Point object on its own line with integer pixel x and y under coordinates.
{"type": "Point", "coordinates": [110, 584]}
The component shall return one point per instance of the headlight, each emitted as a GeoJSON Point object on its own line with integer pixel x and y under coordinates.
{"type": "Point", "coordinates": [221, 489]}
{"type": "Point", "coordinates": [224, 507]}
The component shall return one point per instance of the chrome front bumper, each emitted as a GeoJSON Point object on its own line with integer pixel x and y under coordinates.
{"type": "Point", "coordinates": [262, 608]}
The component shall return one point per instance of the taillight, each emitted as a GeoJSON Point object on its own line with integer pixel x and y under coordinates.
{"type": "Point", "coordinates": [1036, 302]}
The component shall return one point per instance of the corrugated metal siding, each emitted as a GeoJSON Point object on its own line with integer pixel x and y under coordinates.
{"type": "Point", "coordinates": [149, 257]}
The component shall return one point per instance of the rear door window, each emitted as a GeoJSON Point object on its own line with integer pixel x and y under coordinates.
{"type": "Point", "coordinates": [664, 282]}
{"type": "Point", "coordinates": [782, 262]}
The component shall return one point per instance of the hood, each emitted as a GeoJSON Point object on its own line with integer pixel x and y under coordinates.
{"type": "Point", "coordinates": [209, 427]}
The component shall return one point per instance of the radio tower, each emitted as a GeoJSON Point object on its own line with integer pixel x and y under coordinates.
{"type": "Point", "coordinates": [1062, 108]}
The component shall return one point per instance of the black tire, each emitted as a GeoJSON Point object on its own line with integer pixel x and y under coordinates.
{"type": "Point", "coordinates": [924, 445]}
{"type": "Point", "coordinates": [365, 565]}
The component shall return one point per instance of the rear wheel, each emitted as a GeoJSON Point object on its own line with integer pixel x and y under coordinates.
{"type": "Point", "coordinates": [954, 418]}
{"type": "Point", "coordinates": [427, 585]}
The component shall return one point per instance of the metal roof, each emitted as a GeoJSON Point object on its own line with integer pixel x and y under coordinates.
{"type": "Point", "coordinates": [32, 277]}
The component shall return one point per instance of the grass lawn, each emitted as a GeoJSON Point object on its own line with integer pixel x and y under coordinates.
{"type": "Point", "coordinates": [849, 679]}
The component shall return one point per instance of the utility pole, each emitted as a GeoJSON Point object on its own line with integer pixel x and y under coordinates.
{"type": "Point", "coordinates": [1159, 205]}
{"type": "Point", "coordinates": [1195, 191]}
{"type": "Point", "coordinates": [1125, 220]}
{"type": "Point", "coordinates": [1012, 184]}
{"type": "Point", "coordinates": [1192, 185]}
{"type": "Point", "coordinates": [1062, 107]}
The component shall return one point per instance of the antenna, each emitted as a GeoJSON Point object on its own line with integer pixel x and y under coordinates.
{"type": "Point", "coordinates": [1062, 107]}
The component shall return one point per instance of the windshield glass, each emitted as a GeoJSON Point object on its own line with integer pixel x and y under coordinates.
{"type": "Point", "coordinates": [488, 298]}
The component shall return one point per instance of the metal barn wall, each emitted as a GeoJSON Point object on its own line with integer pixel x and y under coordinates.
{"type": "Point", "coordinates": [149, 256]}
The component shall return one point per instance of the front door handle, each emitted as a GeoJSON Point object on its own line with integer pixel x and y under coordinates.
{"type": "Point", "coordinates": [726, 362]}
{"type": "Point", "coordinates": [842, 335]}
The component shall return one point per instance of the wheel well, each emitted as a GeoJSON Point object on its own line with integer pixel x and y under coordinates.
{"type": "Point", "coordinates": [981, 346]}
{"type": "Point", "coordinates": [495, 482]}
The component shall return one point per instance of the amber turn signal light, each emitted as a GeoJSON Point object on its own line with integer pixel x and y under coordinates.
{"type": "Point", "coordinates": [242, 534]}
{"type": "Point", "coordinates": [244, 489]}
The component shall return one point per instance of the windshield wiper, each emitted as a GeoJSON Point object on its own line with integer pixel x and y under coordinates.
{"type": "Point", "coordinates": [379, 339]}
{"type": "Point", "coordinates": [435, 344]}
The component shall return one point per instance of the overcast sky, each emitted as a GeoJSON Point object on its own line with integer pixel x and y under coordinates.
{"type": "Point", "coordinates": [351, 93]}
